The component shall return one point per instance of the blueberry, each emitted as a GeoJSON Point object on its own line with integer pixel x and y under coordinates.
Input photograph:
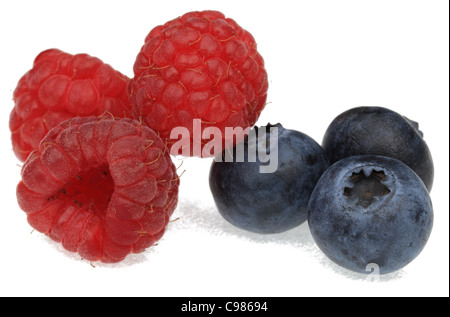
{"type": "Point", "coordinates": [256, 197]}
{"type": "Point", "coordinates": [379, 131]}
{"type": "Point", "coordinates": [370, 210]}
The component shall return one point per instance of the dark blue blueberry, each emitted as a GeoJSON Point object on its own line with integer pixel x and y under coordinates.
{"type": "Point", "coordinates": [379, 131]}
{"type": "Point", "coordinates": [369, 210]}
{"type": "Point", "coordinates": [267, 192]}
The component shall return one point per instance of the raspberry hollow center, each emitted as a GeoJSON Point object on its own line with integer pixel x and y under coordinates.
{"type": "Point", "coordinates": [365, 188]}
{"type": "Point", "coordinates": [90, 190]}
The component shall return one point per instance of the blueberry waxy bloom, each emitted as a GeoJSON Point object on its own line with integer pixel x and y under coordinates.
{"type": "Point", "coordinates": [369, 210]}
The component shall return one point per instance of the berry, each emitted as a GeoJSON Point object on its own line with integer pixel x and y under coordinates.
{"type": "Point", "coordinates": [61, 86]}
{"type": "Point", "coordinates": [379, 131]}
{"type": "Point", "coordinates": [369, 210]}
{"type": "Point", "coordinates": [272, 200]}
{"type": "Point", "coordinates": [199, 66]}
{"type": "Point", "coordinates": [102, 187]}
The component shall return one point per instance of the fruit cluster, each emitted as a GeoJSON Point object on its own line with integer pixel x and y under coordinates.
{"type": "Point", "coordinates": [364, 192]}
{"type": "Point", "coordinates": [96, 145]}
{"type": "Point", "coordinates": [98, 174]}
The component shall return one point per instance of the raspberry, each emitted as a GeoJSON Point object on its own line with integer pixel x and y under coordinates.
{"type": "Point", "coordinates": [199, 66]}
{"type": "Point", "coordinates": [61, 86]}
{"type": "Point", "coordinates": [103, 187]}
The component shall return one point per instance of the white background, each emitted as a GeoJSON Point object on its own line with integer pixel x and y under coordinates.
{"type": "Point", "coordinates": [322, 58]}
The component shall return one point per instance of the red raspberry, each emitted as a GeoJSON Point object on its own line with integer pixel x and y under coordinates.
{"type": "Point", "coordinates": [200, 65]}
{"type": "Point", "coordinates": [61, 86]}
{"type": "Point", "coordinates": [102, 187]}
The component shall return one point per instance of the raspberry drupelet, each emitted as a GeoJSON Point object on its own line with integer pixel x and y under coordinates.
{"type": "Point", "coordinates": [103, 187]}
{"type": "Point", "coordinates": [61, 86]}
{"type": "Point", "coordinates": [204, 66]}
